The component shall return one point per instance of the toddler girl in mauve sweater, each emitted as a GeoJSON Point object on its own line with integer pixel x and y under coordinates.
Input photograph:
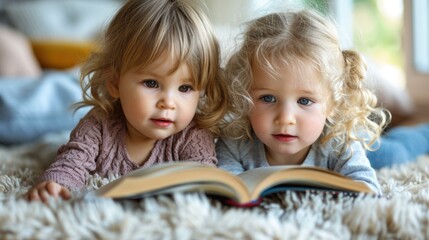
{"type": "Point", "coordinates": [157, 95]}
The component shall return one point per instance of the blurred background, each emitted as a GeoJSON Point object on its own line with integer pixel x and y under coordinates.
{"type": "Point", "coordinates": [38, 37]}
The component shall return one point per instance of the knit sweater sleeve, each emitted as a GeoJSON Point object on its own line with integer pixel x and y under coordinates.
{"type": "Point", "coordinates": [76, 159]}
{"type": "Point", "coordinates": [355, 166]}
{"type": "Point", "coordinates": [197, 145]}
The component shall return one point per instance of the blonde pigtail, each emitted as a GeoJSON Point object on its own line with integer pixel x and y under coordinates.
{"type": "Point", "coordinates": [365, 121]}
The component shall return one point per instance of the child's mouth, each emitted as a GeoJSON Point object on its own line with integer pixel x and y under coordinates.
{"type": "Point", "coordinates": [162, 122]}
{"type": "Point", "coordinates": [284, 137]}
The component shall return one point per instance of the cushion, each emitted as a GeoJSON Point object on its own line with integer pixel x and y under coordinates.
{"type": "Point", "coordinates": [31, 108]}
{"type": "Point", "coordinates": [61, 32]}
{"type": "Point", "coordinates": [16, 55]}
{"type": "Point", "coordinates": [61, 54]}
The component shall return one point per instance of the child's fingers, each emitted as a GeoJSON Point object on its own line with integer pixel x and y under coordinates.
{"type": "Point", "coordinates": [64, 193]}
{"type": "Point", "coordinates": [43, 191]}
{"type": "Point", "coordinates": [53, 188]}
{"type": "Point", "coordinates": [57, 190]}
{"type": "Point", "coordinates": [44, 195]}
{"type": "Point", "coordinates": [33, 195]}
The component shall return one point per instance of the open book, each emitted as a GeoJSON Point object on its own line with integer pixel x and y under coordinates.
{"type": "Point", "coordinates": [242, 189]}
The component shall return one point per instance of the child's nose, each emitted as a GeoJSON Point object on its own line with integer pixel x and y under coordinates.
{"type": "Point", "coordinates": [286, 115]}
{"type": "Point", "coordinates": [166, 101]}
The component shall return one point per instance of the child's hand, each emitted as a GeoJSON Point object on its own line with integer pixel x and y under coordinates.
{"type": "Point", "coordinates": [43, 190]}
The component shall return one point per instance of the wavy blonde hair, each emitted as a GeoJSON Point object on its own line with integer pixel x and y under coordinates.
{"type": "Point", "coordinates": [140, 32]}
{"type": "Point", "coordinates": [296, 37]}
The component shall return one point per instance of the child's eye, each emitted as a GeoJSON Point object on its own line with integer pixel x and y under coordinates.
{"type": "Point", "coordinates": [268, 98]}
{"type": "Point", "coordinates": [150, 83]}
{"type": "Point", "coordinates": [185, 88]}
{"type": "Point", "coordinates": [305, 101]}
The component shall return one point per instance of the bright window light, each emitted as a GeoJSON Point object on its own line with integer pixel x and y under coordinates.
{"type": "Point", "coordinates": [421, 35]}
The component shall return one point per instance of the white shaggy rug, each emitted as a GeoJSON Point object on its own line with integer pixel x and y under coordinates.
{"type": "Point", "coordinates": [401, 214]}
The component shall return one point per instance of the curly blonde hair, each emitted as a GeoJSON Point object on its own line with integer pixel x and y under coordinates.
{"type": "Point", "coordinates": [140, 32]}
{"type": "Point", "coordinates": [296, 37]}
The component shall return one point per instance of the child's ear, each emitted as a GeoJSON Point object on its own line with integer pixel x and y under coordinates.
{"type": "Point", "coordinates": [112, 87]}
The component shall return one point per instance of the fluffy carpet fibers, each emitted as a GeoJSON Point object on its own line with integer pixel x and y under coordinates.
{"type": "Point", "coordinates": [402, 213]}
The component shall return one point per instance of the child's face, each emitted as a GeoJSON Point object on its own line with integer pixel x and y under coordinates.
{"type": "Point", "coordinates": [289, 112]}
{"type": "Point", "coordinates": [156, 101]}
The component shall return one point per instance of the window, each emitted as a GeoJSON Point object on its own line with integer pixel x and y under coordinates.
{"type": "Point", "coordinates": [420, 23]}
{"type": "Point", "coordinates": [416, 44]}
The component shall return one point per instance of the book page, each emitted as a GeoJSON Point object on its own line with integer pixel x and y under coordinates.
{"type": "Point", "coordinates": [172, 175]}
{"type": "Point", "coordinates": [201, 187]}
{"type": "Point", "coordinates": [259, 180]}
{"type": "Point", "coordinates": [151, 172]}
{"type": "Point", "coordinates": [255, 176]}
{"type": "Point", "coordinates": [162, 169]}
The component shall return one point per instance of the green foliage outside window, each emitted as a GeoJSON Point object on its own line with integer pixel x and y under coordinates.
{"type": "Point", "coordinates": [374, 33]}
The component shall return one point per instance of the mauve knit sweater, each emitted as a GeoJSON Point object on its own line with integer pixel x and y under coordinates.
{"type": "Point", "coordinates": [97, 145]}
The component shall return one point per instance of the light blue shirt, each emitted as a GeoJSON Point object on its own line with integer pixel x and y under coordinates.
{"type": "Point", "coordinates": [237, 156]}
